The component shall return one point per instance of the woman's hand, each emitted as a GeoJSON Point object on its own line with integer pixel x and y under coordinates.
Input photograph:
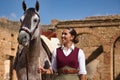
{"type": "Point", "coordinates": [41, 70]}
{"type": "Point", "coordinates": [44, 71]}
{"type": "Point", "coordinates": [82, 77]}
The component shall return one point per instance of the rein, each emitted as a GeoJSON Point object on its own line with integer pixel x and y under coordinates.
{"type": "Point", "coordinates": [30, 34]}
{"type": "Point", "coordinates": [27, 66]}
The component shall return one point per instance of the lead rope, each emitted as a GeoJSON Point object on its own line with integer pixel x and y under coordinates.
{"type": "Point", "coordinates": [27, 67]}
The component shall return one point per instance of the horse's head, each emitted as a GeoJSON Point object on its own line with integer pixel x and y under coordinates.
{"type": "Point", "coordinates": [29, 29]}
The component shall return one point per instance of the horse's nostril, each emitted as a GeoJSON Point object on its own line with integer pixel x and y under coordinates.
{"type": "Point", "coordinates": [25, 37]}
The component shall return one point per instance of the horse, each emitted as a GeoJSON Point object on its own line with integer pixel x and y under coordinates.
{"type": "Point", "coordinates": [31, 52]}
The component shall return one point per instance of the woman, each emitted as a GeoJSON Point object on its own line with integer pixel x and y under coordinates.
{"type": "Point", "coordinates": [68, 61]}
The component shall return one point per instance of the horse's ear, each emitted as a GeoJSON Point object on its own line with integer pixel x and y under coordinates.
{"type": "Point", "coordinates": [37, 6]}
{"type": "Point", "coordinates": [24, 6]}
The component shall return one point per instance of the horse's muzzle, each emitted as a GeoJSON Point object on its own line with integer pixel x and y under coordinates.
{"type": "Point", "coordinates": [23, 38]}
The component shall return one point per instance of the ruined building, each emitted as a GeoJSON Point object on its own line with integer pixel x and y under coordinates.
{"type": "Point", "coordinates": [99, 37]}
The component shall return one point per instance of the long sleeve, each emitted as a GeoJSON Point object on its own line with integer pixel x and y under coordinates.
{"type": "Point", "coordinates": [81, 59]}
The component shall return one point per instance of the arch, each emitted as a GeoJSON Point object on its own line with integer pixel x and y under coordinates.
{"type": "Point", "coordinates": [116, 59]}
{"type": "Point", "coordinates": [113, 40]}
{"type": "Point", "coordinates": [92, 32]}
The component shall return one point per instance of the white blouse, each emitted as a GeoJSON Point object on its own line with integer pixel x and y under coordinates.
{"type": "Point", "coordinates": [81, 59]}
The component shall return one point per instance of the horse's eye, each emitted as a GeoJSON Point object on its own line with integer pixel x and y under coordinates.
{"type": "Point", "coordinates": [35, 20]}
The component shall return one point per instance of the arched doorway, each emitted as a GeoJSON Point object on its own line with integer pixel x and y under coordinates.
{"type": "Point", "coordinates": [116, 59]}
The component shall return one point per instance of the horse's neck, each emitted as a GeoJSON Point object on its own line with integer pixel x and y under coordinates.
{"type": "Point", "coordinates": [35, 42]}
{"type": "Point", "coordinates": [34, 48]}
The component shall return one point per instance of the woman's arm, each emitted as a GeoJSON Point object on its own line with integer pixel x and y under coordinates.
{"type": "Point", "coordinates": [82, 66]}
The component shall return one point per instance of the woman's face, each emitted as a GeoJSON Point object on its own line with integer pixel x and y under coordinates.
{"type": "Point", "coordinates": [66, 36]}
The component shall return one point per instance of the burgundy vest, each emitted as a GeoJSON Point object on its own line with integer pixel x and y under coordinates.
{"type": "Point", "coordinates": [71, 60]}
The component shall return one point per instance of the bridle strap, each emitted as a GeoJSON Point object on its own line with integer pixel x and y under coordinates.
{"type": "Point", "coordinates": [27, 67]}
{"type": "Point", "coordinates": [28, 31]}
{"type": "Point", "coordinates": [35, 28]}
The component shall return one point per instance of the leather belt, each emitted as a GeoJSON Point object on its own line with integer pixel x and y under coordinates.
{"type": "Point", "coordinates": [67, 71]}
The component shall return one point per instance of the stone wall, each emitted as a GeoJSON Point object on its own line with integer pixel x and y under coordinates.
{"type": "Point", "coordinates": [8, 47]}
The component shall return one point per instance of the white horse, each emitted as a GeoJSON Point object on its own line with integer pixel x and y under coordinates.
{"type": "Point", "coordinates": [30, 54]}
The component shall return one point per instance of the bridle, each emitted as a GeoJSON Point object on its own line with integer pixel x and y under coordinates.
{"type": "Point", "coordinates": [27, 30]}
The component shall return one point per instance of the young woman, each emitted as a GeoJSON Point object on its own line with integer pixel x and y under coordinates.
{"type": "Point", "coordinates": [68, 61]}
